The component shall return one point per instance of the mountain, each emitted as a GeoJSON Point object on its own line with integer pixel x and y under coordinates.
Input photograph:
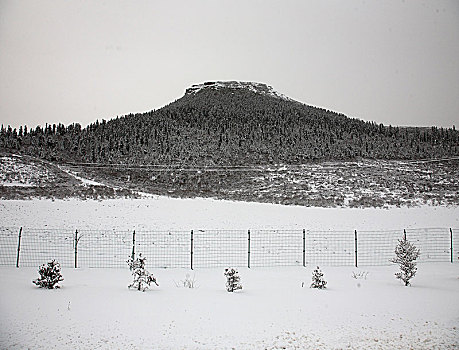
{"type": "Point", "coordinates": [230, 123]}
{"type": "Point", "coordinates": [238, 141]}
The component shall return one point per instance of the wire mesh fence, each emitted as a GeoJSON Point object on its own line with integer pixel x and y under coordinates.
{"type": "Point", "coordinates": [376, 248]}
{"type": "Point", "coordinates": [219, 248]}
{"type": "Point", "coordinates": [216, 248]}
{"type": "Point", "coordinates": [432, 242]}
{"type": "Point", "coordinates": [101, 248]}
{"type": "Point", "coordinates": [276, 248]}
{"type": "Point", "coordinates": [163, 248]}
{"type": "Point", "coordinates": [8, 245]}
{"type": "Point", "coordinates": [43, 245]}
{"type": "Point", "coordinates": [333, 248]}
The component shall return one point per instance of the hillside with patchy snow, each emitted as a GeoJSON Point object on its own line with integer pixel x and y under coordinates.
{"type": "Point", "coordinates": [366, 183]}
{"type": "Point", "coordinates": [25, 177]}
{"type": "Point", "coordinates": [17, 170]}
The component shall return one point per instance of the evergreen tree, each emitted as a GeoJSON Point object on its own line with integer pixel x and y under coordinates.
{"type": "Point", "coordinates": [232, 280]}
{"type": "Point", "coordinates": [50, 275]}
{"type": "Point", "coordinates": [142, 278]}
{"type": "Point", "coordinates": [318, 279]}
{"type": "Point", "coordinates": [406, 254]}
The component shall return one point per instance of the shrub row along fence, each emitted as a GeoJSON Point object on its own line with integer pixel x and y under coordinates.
{"type": "Point", "coordinates": [215, 248]}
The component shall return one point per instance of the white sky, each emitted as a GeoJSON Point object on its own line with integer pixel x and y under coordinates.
{"type": "Point", "coordinates": [395, 62]}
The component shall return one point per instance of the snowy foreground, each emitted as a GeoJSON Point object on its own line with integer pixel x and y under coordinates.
{"type": "Point", "coordinates": [162, 213]}
{"type": "Point", "coordinates": [94, 309]}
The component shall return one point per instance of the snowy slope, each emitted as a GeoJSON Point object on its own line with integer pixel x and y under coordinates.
{"type": "Point", "coordinates": [16, 170]}
{"type": "Point", "coordinates": [25, 177]}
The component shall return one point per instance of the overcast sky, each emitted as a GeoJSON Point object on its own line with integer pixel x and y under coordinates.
{"type": "Point", "coordinates": [395, 62]}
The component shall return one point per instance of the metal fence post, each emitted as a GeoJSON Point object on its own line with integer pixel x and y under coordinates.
{"type": "Point", "coordinates": [191, 250]}
{"type": "Point", "coordinates": [248, 251]}
{"type": "Point", "coordinates": [304, 248]}
{"type": "Point", "coordinates": [76, 247]}
{"type": "Point", "coordinates": [355, 235]}
{"type": "Point", "coordinates": [19, 246]}
{"type": "Point", "coordinates": [451, 235]}
{"type": "Point", "coordinates": [133, 246]}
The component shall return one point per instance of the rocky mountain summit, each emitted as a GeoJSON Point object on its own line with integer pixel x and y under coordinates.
{"type": "Point", "coordinates": [255, 87]}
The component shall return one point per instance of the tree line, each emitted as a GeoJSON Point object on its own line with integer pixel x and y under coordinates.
{"type": "Point", "coordinates": [229, 126]}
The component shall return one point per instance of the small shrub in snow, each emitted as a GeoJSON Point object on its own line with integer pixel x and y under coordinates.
{"type": "Point", "coordinates": [318, 279]}
{"type": "Point", "coordinates": [50, 275]}
{"type": "Point", "coordinates": [232, 280]}
{"type": "Point", "coordinates": [142, 278]}
{"type": "Point", "coordinates": [359, 275]}
{"type": "Point", "coordinates": [406, 254]}
{"type": "Point", "coordinates": [188, 282]}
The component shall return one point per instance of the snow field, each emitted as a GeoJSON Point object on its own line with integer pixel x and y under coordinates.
{"type": "Point", "coordinates": [95, 309]}
{"type": "Point", "coordinates": [163, 213]}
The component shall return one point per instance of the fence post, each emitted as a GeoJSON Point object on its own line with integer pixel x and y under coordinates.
{"type": "Point", "coordinates": [355, 235]}
{"type": "Point", "coordinates": [19, 246]}
{"type": "Point", "coordinates": [451, 235]}
{"type": "Point", "coordinates": [404, 234]}
{"type": "Point", "coordinates": [191, 249]}
{"type": "Point", "coordinates": [76, 247]}
{"type": "Point", "coordinates": [133, 246]}
{"type": "Point", "coordinates": [248, 251]}
{"type": "Point", "coordinates": [304, 248]}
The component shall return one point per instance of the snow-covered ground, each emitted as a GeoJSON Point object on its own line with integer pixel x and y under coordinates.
{"type": "Point", "coordinates": [95, 310]}
{"type": "Point", "coordinates": [14, 171]}
{"type": "Point", "coordinates": [162, 213]}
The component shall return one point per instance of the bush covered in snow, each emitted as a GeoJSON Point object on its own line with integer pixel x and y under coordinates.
{"type": "Point", "coordinates": [406, 254]}
{"type": "Point", "coordinates": [50, 275]}
{"type": "Point", "coordinates": [142, 278]}
{"type": "Point", "coordinates": [318, 280]}
{"type": "Point", "coordinates": [232, 280]}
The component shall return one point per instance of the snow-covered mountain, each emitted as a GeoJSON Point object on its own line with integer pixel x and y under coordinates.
{"type": "Point", "coordinates": [230, 123]}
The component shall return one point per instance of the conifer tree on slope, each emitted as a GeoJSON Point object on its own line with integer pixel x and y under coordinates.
{"type": "Point", "coordinates": [406, 254]}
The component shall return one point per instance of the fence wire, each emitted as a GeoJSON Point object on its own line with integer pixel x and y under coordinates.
{"type": "Point", "coordinates": [8, 245]}
{"type": "Point", "coordinates": [455, 245]}
{"type": "Point", "coordinates": [376, 248]}
{"type": "Point", "coordinates": [332, 248]}
{"type": "Point", "coordinates": [39, 246]}
{"type": "Point", "coordinates": [220, 248]}
{"type": "Point", "coordinates": [217, 248]}
{"type": "Point", "coordinates": [431, 242]}
{"type": "Point", "coordinates": [276, 248]}
{"type": "Point", "coordinates": [164, 248]}
{"type": "Point", "coordinates": [102, 248]}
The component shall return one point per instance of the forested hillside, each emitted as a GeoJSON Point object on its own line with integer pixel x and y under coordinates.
{"type": "Point", "coordinates": [229, 124]}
